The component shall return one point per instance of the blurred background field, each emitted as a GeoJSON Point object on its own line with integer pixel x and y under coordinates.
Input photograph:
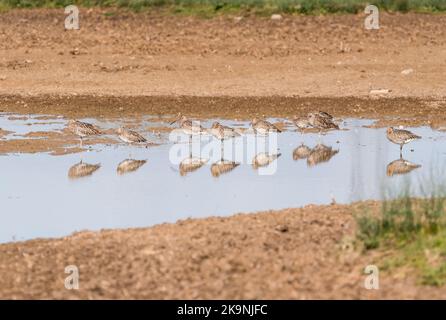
{"type": "Point", "coordinates": [261, 7]}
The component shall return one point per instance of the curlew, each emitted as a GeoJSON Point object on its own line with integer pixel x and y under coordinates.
{"type": "Point", "coordinates": [301, 123]}
{"type": "Point", "coordinates": [130, 136]}
{"type": "Point", "coordinates": [189, 127]}
{"type": "Point", "coordinates": [82, 129]}
{"type": "Point", "coordinates": [222, 132]}
{"type": "Point", "coordinates": [401, 137]}
{"type": "Point", "coordinates": [263, 127]}
{"type": "Point", "coordinates": [322, 121]}
{"type": "Point", "coordinates": [325, 115]}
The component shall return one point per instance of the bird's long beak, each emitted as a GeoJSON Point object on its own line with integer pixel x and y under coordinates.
{"type": "Point", "coordinates": [177, 119]}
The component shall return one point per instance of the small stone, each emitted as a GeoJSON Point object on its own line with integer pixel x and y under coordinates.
{"type": "Point", "coordinates": [406, 72]}
{"type": "Point", "coordinates": [75, 52]}
{"type": "Point", "coordinates": [2, 78]}
{"type": "Point", "coordinates": [276, 17]}
{"type": "Point", "coordinates": [380, 91]}
{"type": "Point", "coordinates": [281, 228]}
{"type": "Point", "coordinates": [238, 19]}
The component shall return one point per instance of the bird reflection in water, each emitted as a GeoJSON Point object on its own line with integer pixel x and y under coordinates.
{"type": "Point", "coordinates": [223, 166]}
{"type": "Point", "coordinates": [82, 169]}
{"type": "Point", "coordinates": [319, 154]}
{"type": "Point", "coordinates": [263, 159]}
{"type": "Point", "coordinates": [301, 152]}
{"type": "Point", "coordinates": [191, 164]}
{"type": "Point", "coordinates": [129, 165]}
{"type": "Point", "coordinates": [400, 166]}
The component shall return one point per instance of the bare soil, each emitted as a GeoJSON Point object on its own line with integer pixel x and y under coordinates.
{"type": "Point", "coordinates": [305, 253]}
{"type": "Point", "coordinates": [121, 53]}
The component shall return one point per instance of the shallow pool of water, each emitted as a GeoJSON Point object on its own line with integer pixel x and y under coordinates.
{"type": "Point", "coordinates": [50, 196]}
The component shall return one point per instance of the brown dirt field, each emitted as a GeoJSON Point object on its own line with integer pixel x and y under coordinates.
{"type": "Point", "coordinates": [302, 253]}
{"type": "Point", "coordinates": [154, 54]}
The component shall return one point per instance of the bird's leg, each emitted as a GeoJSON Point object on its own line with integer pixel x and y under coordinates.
{"type": "Point", "coordinates": [222, 149]}
{"type": "Point", "coordinates": [190, 146]}
{"type": "Point", "coordinates": [401, 151]}
{"type": "Point", "coordinates": [319, 137]}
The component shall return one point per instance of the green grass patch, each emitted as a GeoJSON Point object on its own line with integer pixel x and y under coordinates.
{"type": "Point", "coordinates": [413, 228]}
{"type": "Point", "coordinates": [212, 7]}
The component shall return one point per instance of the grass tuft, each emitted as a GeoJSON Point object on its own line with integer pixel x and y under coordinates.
{"type": "Point", "coordinates": [415, 228]}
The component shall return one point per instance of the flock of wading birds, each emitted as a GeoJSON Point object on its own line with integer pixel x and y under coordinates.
{"type": "Point", "coordinates": [320, 121]}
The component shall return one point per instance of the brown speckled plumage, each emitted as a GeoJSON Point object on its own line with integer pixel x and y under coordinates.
{"type": "Point", "coordinates": [301, 123]}
{"type": "Point", "coordinates": [189, 127]}
{"type": "Point", "coordinates": [130, 136]}
{"type": "Point", "coordinates": [263, 126]}
{"type": "Point", "coordinates": [222, 132]}
{"type": "Point", "coordinates": [400, 136]}
{"type": "Point", "coordinates": [322, 121]}
{"type": "Point", "coordinates": [82, 129]}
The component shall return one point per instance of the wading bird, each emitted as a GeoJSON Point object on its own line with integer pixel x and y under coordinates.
{"type": "Point", "coordinates": [301, 123]}
{"type": "Point", "coordinates": [130, 136]}
{"type": "Point", "coordinates": [322, 121]}
{"type": "Point", "coordinates": [263, 127]}
{"type": "Point", "coordinates": [82, 129]}
{"type": "Point", "coordinates": [189, 127]}
{"type": "Point", "coordinates": [401, 137]}
{"type": "Point", "coordinates": [222, 132]}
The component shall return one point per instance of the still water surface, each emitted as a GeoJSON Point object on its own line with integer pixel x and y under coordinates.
{"type": "Point", "coordinates": [50, 196]}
